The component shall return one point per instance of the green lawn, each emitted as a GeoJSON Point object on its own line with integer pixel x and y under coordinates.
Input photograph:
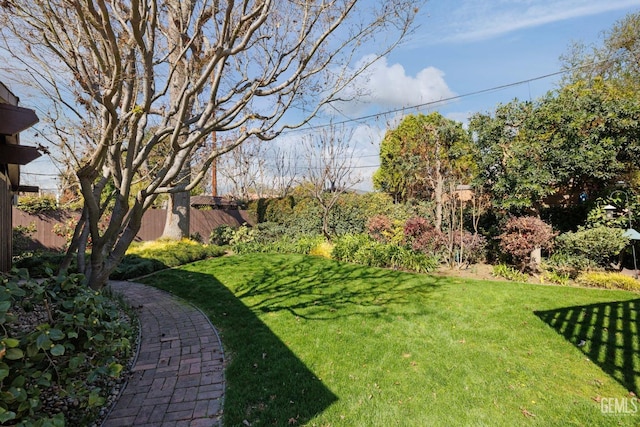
{"type": "Point", "coordinates": [310, 341]}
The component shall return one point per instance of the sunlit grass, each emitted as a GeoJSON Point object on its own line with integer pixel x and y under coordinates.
{"type": "Point", "coordinates": [311, 341]}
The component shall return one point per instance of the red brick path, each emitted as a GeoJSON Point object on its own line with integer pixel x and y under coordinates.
{"type": "Point", "coordinates": [178, 377]}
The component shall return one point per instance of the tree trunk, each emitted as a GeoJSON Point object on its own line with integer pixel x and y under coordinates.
{"type": "Point", "coordinates": [325, 222]}
{"type": "Point", "coordinates": [437, 194]}
{"type": "Point", "coordinates": [177, 223]}
{"type": "Point", "coordinates": [536, 260]}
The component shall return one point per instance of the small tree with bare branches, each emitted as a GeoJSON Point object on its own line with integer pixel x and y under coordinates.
{"type": "Point", "coordinates": [330, 169]}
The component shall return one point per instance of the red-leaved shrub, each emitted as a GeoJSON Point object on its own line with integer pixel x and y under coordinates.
{"type": "Point", "coordinates": [524, 234]}
{"type": "Point", "coordinates": [469, 246]}
{"type": "Point", "coordinates": [422, 236]}
{"type": "Point", "coordinates": [379, 227]}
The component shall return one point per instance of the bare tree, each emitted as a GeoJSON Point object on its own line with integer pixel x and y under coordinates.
{"type": "Point", "coordinates": [256, 170]}
{"type": "Point", "coordinates": [126, 82]}
{"type": "Point", "coordinates": [330, 169]}
{"type": "Point", "coordinates": [244, 169]}
{"type": "Point", "coordinates": [284, 171]}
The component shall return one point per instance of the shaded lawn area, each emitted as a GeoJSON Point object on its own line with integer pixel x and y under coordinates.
{"type": "Point", "coordinates": [316, 342]}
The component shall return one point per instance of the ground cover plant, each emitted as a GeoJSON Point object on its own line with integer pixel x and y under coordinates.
{"type": "Point", "coordinates": [311, 341]}
{"type": "Point", "coordinates": [62, 351]}
{"type": "Point", "coordinates": [147, 257]}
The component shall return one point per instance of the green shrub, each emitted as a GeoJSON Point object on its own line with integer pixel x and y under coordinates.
{"type": "Point", "coordinates": [557, 278]}
{"type": "Point", "coordinates": [374, 203]}
{"type": "Point", "coordinates": [285, 244]}
{"type": "Point", "coordinates": [571, 265]}
{"type": "Point", "coordinates": [270, 232]}
{"type": "Point", "coordinates": [607, 280]}
{"type": "Point", "coordinates": [306, 217]}
{"type": "Point", "coordinates": [346, 246]}
{"type": "Point", "coordinates": [403, 258]}
{"type": "Point", "coordinates": [196, 237]}
{"type": "Point", "coordinates": [75, 347]}
{"type": "Point", "coordinates": [249, 247]}
{"type": "Point", "coordinates": [243, 234]}
{"type": "Point", "coordinates": [278, 210]}
{"type": "Point", "coordinates": [599, 244]}
{"type": "Point", "coordinates": [323, 249]}
{"type": "Point", "coordinates": [363, 249]}
{"type": "Point", "coordinates": [133, 266]}
{"type": "Point", "coordinates": [304, 244]}
{"type": "Point", "coordinates": [37, 204]}
{"type": "Point", "coordinates": [372, 254]}
{"type": "Point", "coordinates": [147, 257]}
{"type": "Point", "coordinates": [509, 273]}
{"type": "Point", "coordinates": [40, 262]}
{"type": "Point", "coordinates": [348, 215]}
{"type": "Point", "coordinates": [21, 238]}
{"type": "Point", "coordinates": [221, 235]}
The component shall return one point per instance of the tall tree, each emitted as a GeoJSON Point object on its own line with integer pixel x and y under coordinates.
{"type": "Point", "coordinates": [511, 164]}
{"type": "Point", "coordinates": [583, 135]}
{"type": "Point", "coordinates": [126, 83]}
{"type": "Point", "coordinates": [243, 170]}
{"type": "Point", "coordinates": [284, 171]}
{"type": "Point", "coordinates": [422, 157]}
{"type": "Point", "coordinates": [590, 131]}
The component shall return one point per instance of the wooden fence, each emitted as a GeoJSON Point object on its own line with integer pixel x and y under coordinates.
{"type": "Point", "coordinates": [202, 223]}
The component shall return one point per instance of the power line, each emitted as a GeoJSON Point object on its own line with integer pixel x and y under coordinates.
{"type": "Point", "coordinates": [456, 97]}
{"type": "Point", "coordinates": [22, 172]}
{"type": "Point", "coordinates": [428, 104]}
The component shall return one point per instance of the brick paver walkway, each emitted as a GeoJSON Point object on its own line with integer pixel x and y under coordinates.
{"type": "Point", "coordinates": [178, 377]}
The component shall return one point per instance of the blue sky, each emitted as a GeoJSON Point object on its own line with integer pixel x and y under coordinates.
{"type": "Point", "coordinates": [466, 46]}
{"type": "Point", "coordinates": [460, 47]}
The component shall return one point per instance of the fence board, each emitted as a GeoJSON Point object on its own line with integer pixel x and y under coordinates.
{"type": "Point", "coordinates": [202, 223]}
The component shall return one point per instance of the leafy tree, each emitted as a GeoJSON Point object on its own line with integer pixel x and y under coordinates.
{"type": "Point", "coordinates": [421, 157]}
{"type": "Point", "coordinates": [590, 132]}
{"type": "Point", "coordinates": [510, 163]}
{"type": "Point", "coordinates": [616, 59]}
{"type": "Point", "coordinates": [585, 135]}
{"type": "Point", "coordinates": [124, 77]}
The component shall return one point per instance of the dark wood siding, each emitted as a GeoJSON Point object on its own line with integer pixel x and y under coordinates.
{"type": "Point", "coordinates": [5, 222]}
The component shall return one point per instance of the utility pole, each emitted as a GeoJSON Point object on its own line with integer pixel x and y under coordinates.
{"type": "Point", "coordinates": [214, 168]}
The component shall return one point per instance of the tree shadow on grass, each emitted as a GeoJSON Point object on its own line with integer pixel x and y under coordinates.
{"type": "Point", "coordinates": [607, 333]}
{"type": "Point", "coordinates": [313, 289]}
{"type": "Point", "coordinates": [266, 382]}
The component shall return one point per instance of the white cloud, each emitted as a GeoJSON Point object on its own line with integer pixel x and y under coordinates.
{"type": "Point", "coordinates": [387, 86]}
{"type": "Point", "coordinates": [472, 20]}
